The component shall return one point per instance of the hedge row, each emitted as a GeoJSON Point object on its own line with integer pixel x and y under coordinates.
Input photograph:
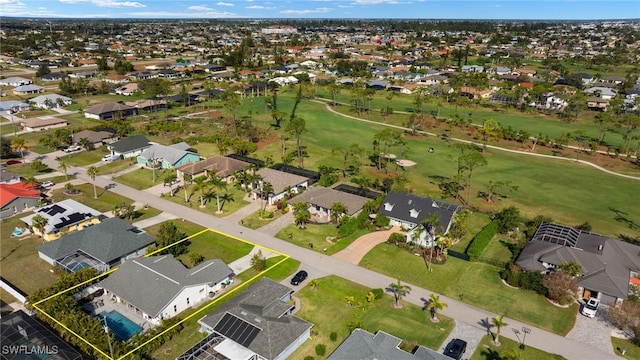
{"type": "Point", "coordinates": [481, 240]}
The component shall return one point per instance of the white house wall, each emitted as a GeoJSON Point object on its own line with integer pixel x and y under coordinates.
{"type": "Point", "coordinates": [294, 345]}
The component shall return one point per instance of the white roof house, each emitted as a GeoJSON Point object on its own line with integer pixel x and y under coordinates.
{"type": "Point", "coordinates": [15, 81]}
{"type": "Point", "coordinates": [50, 101]}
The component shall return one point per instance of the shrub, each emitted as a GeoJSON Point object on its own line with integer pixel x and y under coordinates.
{"type": "Point", "coordinates": [481, 240]}
{"type": "Point", "coordinates": [379, 293]}
{"type": "Point", "coordinates": [333, 336]}
{"type": "Point", "coordinates": [396, 238]}
{"type": "Point", "coordinates": [382, 220]}
{"type": "Point", "coordinates": [321, 349]}
{"type": "Point", "coordinates": [348, 228]}
{"type": "Point", "coordinates": [309, 357]}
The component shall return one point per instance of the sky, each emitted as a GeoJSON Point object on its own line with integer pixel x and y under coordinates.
{"type": "Point", "coordinates": [362, 9]}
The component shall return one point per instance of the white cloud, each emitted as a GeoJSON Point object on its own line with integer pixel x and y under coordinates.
{"type": "Point", "coordinates": [377, 2]}
{"type": "Point", "coordinates": [224, 4]}
{"type": "Point", "coordinates": [308, 11]}
{"type": "Point", "coordinates": [345, 6]}
{"type": "Point", "coordinates": [175, 15]}
{"type": "Point", "coordinates": [259, 7]}
{"type": "Point", "coordinates": [107, 3]}
{"type": "Point", "coordinates": [200, 8]}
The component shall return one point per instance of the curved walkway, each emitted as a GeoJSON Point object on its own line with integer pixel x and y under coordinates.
{"type": "Point", "coordinates": [362, 245]}
{"type": "Point", "coordinates": [329, 108]}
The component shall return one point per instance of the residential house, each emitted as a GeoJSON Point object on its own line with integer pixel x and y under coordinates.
{"type": "Point", "coordinates": [149, 105]}
{"type": "Point", "coordinates": [601, 92]}
{"type": "Point", "coordinates": [361, 344]}
{"type": "Point", "coordinates": [17, 196]}
{"type": "Point", "coordinates": [585, 78]}
{"type": "Point", "coordinates": [608, 266]}
{"type": "Point", "coordinates": [24, 337]}
{"type": "Point", "coordinates": [161, 287]}
{"type": "Point", "coordinates": [50, 101]}
{"type": "Point", "coordinates": [598, 104]}
{"type": "Point", "coordinates": [15, 81]}
{"type": "Point", "coordinates": [128, 147]}
{"type": "Point", "coordinates": [378, 84]}
{"type": "Point", "coordinates": [95, 138]}
{"type": "Point", "coordinates": [9, 177]}
{"type": "Point", "coordinates": [256, 324]}
{"type": "Point", "coordinates": [282, 183]}
{"type": "Point", "coordinates": [410, 211]}
{"type": "Point", "coordinates": [473, 93]}
{"type": "Point", "coordinates": [110, 111]}
{"type": "Point", "coordinates": [101, 246]}
{"type": "Point", "coordinates": [168, 157]}
{"type": "Point", "coordinates": [142, 75]}
{"type": "Point", "coordinates": [127, 89]}
{"type": "Point", "coordinates": [27, 89]}
{"type": "Point", "coordinates": [320, 200]}
{"type": "Point", "coordinates": [117, 79]}
{"type": "Point", "coordinates": [63, 218]}
{"type": "Point", "coordinates": [472, 69]}
{"type": "Point", "coordinates": [51, 77]}
{"type": "Point", "coordinates": [549, 101]}
{"type": "Point", "coordinates": [43, 123]}
{"type": "Point", "coordinates": [221, 166]}
{"type": "Point", "coordinates": [13, 106]}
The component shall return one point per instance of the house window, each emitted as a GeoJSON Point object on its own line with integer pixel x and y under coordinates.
{"type": "Point", "coordinates": [413, 213]}
{"type": "Point", "coordinates": [175, 308]}
{"type": "Point", "coordinates": [187, 301]}
{"type": "Point", "coordinates": [388, 206]}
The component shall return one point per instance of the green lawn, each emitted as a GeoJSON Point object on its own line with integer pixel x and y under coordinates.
{"type": "Point", "coordinates": [186, 227]}
{"type": "Point", "coordinates": [19, 254]}
{"type": "Point", "coordinates": [40, 149]}
{"type": "Point", "coordinates": [84, 158]}
{"type": "Point", "coordinates": [317, 235]}
{"type": "Point", "coordinates": [278, 273]}
{"type": "Point", "coordinates": [488, 351]}
{"type": "Point", "coordinates": [143, 178]}
{"type": "Point", "coordinates": [213, 245]}
{"type": "Point", "coordinates": [498, 250]}
{"type": "Point", "coordinates": [26, 171]}
{"type": "Point", "coordinates": [106, 200]}
{"type": "Point", "coordinates": [254, 221]}
{"type": "Point", "coordinates": [235, 200]}
{"type": "Point", "coordinates": [479, 283]}
{"type": "Point", "coordinates": [115, 166]}
{"type": "Point", "coordinates": [633, 350]}
{"type": "Point", "coordinates": [326, 308]}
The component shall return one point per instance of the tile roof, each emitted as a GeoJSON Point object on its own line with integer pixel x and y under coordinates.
{"type": "Point", "coordinates": [9, 192]}
{"type": "Point", "coordinates": [107, 241]}
{"type": "Point", "coordinates": [326, 197]}
{"type": "Point", "coordinates": [151, 283]}
{"type": "Point", "coordinates": [221, 166]}
{"type": "Point", "coordinates": [107, 107]}
{"type": "Point", "coordinates": [280, 179]}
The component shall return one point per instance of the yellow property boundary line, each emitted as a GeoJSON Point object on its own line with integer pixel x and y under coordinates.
{"type": "Point", "coordinates": [214, 301]}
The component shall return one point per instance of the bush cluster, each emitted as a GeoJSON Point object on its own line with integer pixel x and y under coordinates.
{"type": "Point", "coordinates": [481, 240]}
{"type": "Point", "coordinates": [514, 275]}
{"type": "Point", "coordinates": [378, 293]}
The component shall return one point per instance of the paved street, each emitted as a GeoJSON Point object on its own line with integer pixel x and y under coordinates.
{"type": "Point", "coordinates": [313, 261]}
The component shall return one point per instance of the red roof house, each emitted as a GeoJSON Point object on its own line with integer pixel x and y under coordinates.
{"type": "Point", "coordinates": [18, 197]}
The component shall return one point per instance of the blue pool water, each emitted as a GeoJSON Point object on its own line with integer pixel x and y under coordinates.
{"type": "Point", "coordinates": [122, 327]}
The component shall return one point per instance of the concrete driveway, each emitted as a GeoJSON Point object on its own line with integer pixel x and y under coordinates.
{"type": "Point", "coordinates": [362, 245]}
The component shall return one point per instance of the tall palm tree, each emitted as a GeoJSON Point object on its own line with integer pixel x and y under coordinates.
{"type": "Point", "coordinates": [337, 210]}
{"type": "Point", "coordinates": [218, 185]}
{"type": "Point", "coordinates": [39, 223]}
{"type": "Point", "coordinates": [64, 167]}
{"type": "Point", "coordinates": [498, 323]}
{"type": "Point", "coordinates": [201, 186]}
{"type": "Point", "coordinates": [434, 305]}
{"type": "Point", "coordinates": [186, 179]}
{"type": "Point", "coordinates": [169, 180]}
{"type": "Point", "coordinates": [399, 291]}
{"type": "Point", "coordinates": [301, 214]}
{"type": "Point", "coordinates": [92, 172]}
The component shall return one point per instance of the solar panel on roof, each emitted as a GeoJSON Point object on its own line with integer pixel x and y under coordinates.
{"type": "Point", "coordinates": [236, 329]}
{"type": "Point", "coordinates": [54, 210]}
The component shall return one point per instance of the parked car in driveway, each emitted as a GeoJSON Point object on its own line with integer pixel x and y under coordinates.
{"type": "Point", "coordinates": [299, 277]}
{"type": "Point", "coordinates": [590, 307]}
{"type": "Point", "coordinates": [110, 157]}
{"type": "Point", "coordinates": [46, 184]}
{"type": "Point", "coordinates": [73, 148]}
{"type": "Point", "coordinates": [455, 349]}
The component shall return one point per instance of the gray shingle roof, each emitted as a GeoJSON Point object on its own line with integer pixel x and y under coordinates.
{"type": "Point", "coordinates": [130, 143]}
{"type": "Point", "coordinates": [401, 206]}
{"type": "Point", "coordinates": [362, 345]}
{"type": "Point", "coordinates": [108, 107]}
{"type": "Point", "coordinates": [170, 154]}
{"type": "Point", "coordinates": [326, 197]}
{"type": "Point", "coordinates": [151, 283]}
{"type": "Point", "coordinates": [262, 306]}
{"type": "Point", "coordinates": [107, 241]}
{"type": "Point", "coordinates": [280, 179]}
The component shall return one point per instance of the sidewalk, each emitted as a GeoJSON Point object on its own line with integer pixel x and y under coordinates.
{"type": "Point", "coordinates": [236, 216]}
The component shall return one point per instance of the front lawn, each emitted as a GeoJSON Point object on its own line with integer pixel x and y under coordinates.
{"type": "Point", "coordinates": [231, 200]}
{"type": "Point", "coordinates": [315, 237]}
{"type": "Point", "coordinates": [26, 171]}
{"type": "Point", "coordinates": [106, 200]}
{"type": "Point", "coordinates": [328, 310]}
{"type": "Point", "coordinates": [115, 166]}
{"type": "Point", "coordinates": [143, 178]}
{"type": "Point", "coordinates": [278, 273]}
{"type": "Point", "coordinates": [19, 259]}
{"type": "Point", "coordinates": [486, 350]}
{"type": "Point", "coordinates": [213, 245]}
{"type": "Point", "coordinates": [255, 221]}
{"type": "Point", "coordinates": [632, 350]}
{"type": "Point", "coordinates": [84, 158]}
{"type": "Point", "coordinates": [478, 283]}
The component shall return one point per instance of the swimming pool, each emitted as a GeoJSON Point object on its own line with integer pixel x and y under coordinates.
{"type": "Point", "coordinates": [121, 326]}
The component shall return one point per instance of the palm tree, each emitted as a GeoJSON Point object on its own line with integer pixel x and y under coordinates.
{"type": "Point", "coordinates": [434, 305]}
{"type": "Point", "coordinates": [186, 179]}
{"type": "Point", "coordinates": [498, 323]}
{"type": "Point", "coordinates": [302, 214]}
{"type": "Point", "coordinates": [169, 180]}
{"type": "Point", "coordinates": [218, 184]}
{"type": "Point", "coordinates": [201, 186]}
{"type": "Point", "coordinates": [18, 144]}
{"type": "Point", "coordinates": [62, 166]}
{"type": "Point", "coordinates": [399, 291]}
{"type": "Point", "coordinates": [92, 172]}
{"type": "Point", "coordinates": [267, 189]}
{"type": "Point", "coordinates": [314, 284]}
{"type": "Point", "coordinates": [39, 223]}
{"type": "Point", "coordinates": [337, 210]}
